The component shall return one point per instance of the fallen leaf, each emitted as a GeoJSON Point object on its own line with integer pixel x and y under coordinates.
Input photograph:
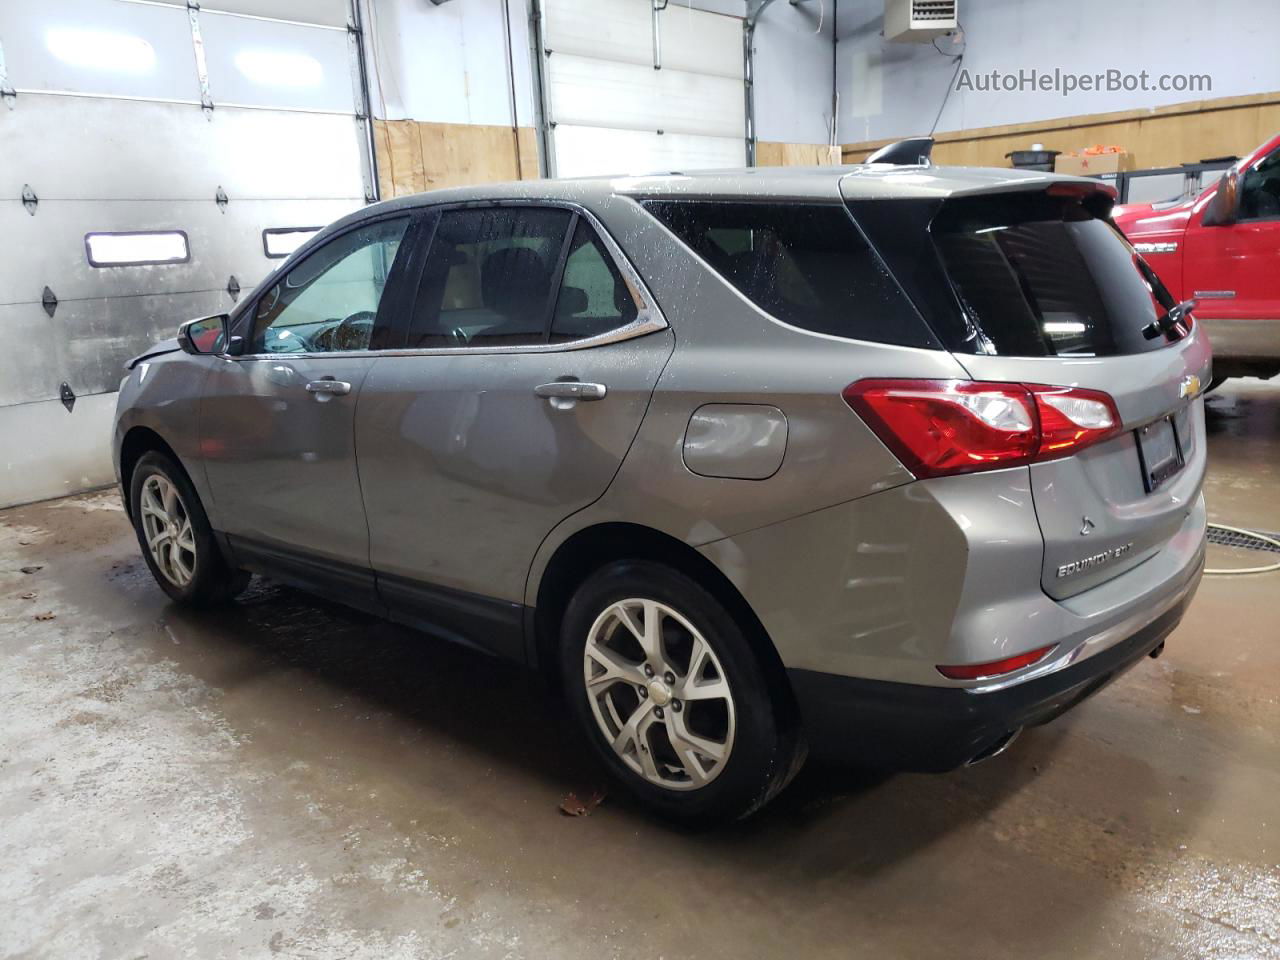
{"type": "Point", "coordinates": [32, 569]}
{"type": "Point", "coordinates": [47, 615]}
{"type": "Point", "coordinates": [571, 806]}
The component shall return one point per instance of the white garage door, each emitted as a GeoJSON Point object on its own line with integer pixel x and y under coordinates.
{"type": "Point", "coordinates": [190, 132]}
{"type": "Point", "coordinates": [612, 112]}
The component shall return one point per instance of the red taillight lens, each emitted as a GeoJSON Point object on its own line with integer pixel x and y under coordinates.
{"type": "Point", "coordinates": [942, 427]}
{"type": "Point", "coordinates": [996, 668]}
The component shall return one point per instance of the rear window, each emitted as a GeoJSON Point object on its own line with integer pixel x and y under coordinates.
{"type": "Point", "coordinates": [807, 265]}
{"type": "Point", "coordinates": [1039, 275]}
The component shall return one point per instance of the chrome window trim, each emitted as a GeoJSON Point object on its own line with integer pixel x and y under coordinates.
{"type": "Point", "coordinates": [649, 318]}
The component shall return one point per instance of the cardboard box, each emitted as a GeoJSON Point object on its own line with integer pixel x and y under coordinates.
{"type": "Point", "coordinates": [1094, 165]}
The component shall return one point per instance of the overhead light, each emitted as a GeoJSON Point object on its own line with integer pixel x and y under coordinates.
{"type": "Point", "coordinates": [1063, 326]}
{"type": "Point", "coordinates": [98, 50]}
{"type": "Point", "coordinates": [279, 68]}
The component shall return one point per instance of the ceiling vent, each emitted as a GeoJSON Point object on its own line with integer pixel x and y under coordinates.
{"type": "Point", "coordinates": [919, 21]}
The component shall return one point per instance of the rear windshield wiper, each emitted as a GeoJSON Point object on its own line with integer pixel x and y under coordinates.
{"type": "Point", "coordinates": [1167, 323]}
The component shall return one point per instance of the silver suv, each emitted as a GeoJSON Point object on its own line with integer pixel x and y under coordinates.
{"type": "Point", "coordinates": [881, 463]}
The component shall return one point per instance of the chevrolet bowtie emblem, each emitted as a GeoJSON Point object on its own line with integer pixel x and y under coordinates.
{"type": "Point", "coordinates": [1190, 386]}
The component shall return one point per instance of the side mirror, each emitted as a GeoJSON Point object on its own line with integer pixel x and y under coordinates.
{"type": "Point", "coordinates": [204, 335]}
{"type": "Point", "coordinates": [1224, 208]}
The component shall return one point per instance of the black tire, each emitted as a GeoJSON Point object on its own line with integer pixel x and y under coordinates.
{"type": "Point", "coordinates": [1214, 384]}
{"type": "Point", "coordinates": [213, 581]}
{"type": "Point", "coordinates": [766, 751]}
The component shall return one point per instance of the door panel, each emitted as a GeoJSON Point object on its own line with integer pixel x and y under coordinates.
{"type": "Point", "coordinates": [1232, 268]}
{"type": "Point", "coordinates": [465, 468]}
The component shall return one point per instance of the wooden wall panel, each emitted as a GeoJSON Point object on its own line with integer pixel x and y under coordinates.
{"type": "Point", "coordinates": [772, 154]}
{"type": "Point", "coordinates": [415, 156]}
{"type": "Point", "coordinates": [1162, 137]}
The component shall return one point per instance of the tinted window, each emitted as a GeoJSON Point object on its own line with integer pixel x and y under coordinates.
{"type": "Point", "coordinates": [330, 300]}
{"type": "Point", "coordinates": [1037, 275]}
{"type": "Point", "coordinates": [1260, 190]}
{"type": "Point", "coordinates": [488, 277]}
{"type": "Point", "coordinates": [805, 264]}
{"type": "Point", "coordinates": [593, 297]}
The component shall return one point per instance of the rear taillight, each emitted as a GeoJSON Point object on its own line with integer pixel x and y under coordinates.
{"type": "Point", "coordinates": [995, 668]}
{"type": "Point", "coordinates": [941, 427]}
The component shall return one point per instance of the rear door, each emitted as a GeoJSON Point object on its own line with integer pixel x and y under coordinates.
{"type": "Point", "coordinates": [522, 380]}
{"type": "Point", "coordinates": [1055, 295]}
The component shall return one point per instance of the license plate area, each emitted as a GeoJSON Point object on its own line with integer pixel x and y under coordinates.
{"type": "Point", "coordinates": [1159, 452]}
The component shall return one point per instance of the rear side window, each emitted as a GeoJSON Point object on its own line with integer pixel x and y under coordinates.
{"type": "Point", "coordinates": [593, 297]}
{"type": "Point", "coordinates": [489, 277]}
{"type": "Point", "coordinates": [804, 264]}
{"type": "Point", "coordinates": [1039, 275]}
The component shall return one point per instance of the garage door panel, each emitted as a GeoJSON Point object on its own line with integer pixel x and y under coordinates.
{"type": "Point", "coordinates": [31, 365]}
{"type": "Point", "coordinates": [49, 250]}
{"type": "Point", "coordinates": [589, 92]}
{"type": "Point", "coordinates": [692, 40]}
{"type": "Point", "coordinates": [88, 342]}
{"type": "Point", "coordinates": [282, 65]}
{"type": "Point", "coordinates": [586, 151]}
{"type": "Point", "coordinates": [329, 12]}
{"type": "Point", "coordinates": [174, 152]}
{"type": "Point", "coordinates": [95, 46]}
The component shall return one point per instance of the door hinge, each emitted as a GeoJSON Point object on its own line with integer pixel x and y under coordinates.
{"type": "Point", "coordinates": [49, 301]}
{"type": "Point", "coordinates": [67, 396]}
{"type": "Point", "coordinates": [233, 287]}
{"type": "Point", "coordinates": [29, 199]}
{"type": "Point", "coordinates": [221, 199]}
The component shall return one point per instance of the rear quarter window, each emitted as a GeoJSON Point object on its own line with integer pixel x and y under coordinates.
{"type": "Point", "coordinates": [806, 265]}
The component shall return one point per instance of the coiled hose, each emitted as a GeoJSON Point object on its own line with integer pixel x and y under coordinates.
{"type": "Point", "coordinates": [1266, 568]}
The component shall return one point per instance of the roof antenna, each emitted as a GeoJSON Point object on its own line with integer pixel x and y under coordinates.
{"type": "Point", "coordinates": [912, 152]}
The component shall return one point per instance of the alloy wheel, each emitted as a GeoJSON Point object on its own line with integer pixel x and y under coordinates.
{"type": "Point", "coordinates": [166, 526]}
{"type": "Point", "coordinates": [659, 694]}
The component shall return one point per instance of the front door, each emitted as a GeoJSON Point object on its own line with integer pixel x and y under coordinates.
{"type": "Point", "coordinates": [525, 374]}
{"type": "Point", "coordinates": [277, 423]}
{"type": "Point", "coordinates": [1233, 269]}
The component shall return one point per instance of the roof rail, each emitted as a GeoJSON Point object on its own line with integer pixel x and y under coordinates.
{"type": "Point", "coordinates": [912, 152]}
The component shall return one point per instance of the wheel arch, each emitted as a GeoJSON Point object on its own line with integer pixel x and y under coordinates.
{"type": "Point", "coordinates": [137, 442]}
{"type": "Point", "coordinates": [590, 548]}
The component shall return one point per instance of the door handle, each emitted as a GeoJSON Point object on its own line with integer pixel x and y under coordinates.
{"type": "Point", "coordinates": [328, 387]}
{"type": "Point", "coordinates": [571, 390]}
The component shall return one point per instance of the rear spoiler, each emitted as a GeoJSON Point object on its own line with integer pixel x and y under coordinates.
{"type": "Point", "coordinates": [912, 152]}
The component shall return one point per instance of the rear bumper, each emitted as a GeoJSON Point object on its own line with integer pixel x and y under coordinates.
{"type": "Point", "coordinates": [904, 726]}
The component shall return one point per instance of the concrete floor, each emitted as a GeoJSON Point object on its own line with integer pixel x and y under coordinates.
{"type": "Point", "coordinates": [285, 777]}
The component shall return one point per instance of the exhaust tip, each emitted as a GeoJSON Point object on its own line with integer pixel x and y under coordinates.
{"type": "Point", "coordinates": [997, 748]}
{"type": "Point", "coordinates": [1156, 650]}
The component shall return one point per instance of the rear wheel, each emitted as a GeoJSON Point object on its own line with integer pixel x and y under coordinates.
{"type": "Point", "coordinates": [174, 534]}
{"type": "Point", "coordinates": [671, 695]}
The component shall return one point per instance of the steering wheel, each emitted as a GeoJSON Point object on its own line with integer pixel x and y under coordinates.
{"type": "Point", "coordinates": [351, 333]}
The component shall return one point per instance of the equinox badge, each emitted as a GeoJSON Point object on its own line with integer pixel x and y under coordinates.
{"type": "Point", "coordinates": [1097, 560]}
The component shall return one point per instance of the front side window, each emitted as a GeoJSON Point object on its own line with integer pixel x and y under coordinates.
{"type": "Point", "coordinates": [489, 277]}
{"type": "Point", "coordinates": [329, 301]}
{"type": "Point", "coordinates": [805, 264]}
{"type": "Point", "coordinates": [1260, 190]}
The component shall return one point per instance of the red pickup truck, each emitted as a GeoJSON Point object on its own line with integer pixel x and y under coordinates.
{"type": "Point", "coordinates": [1222, 249]}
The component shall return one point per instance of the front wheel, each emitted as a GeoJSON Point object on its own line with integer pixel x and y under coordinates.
{"type": "Point", "coordinates": [175, 536]}
{"type": "Point", "coordinates": [672, 696]}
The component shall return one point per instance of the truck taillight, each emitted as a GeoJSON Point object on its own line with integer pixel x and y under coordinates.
{"type": "Point", "coordinates": [942, 427]}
